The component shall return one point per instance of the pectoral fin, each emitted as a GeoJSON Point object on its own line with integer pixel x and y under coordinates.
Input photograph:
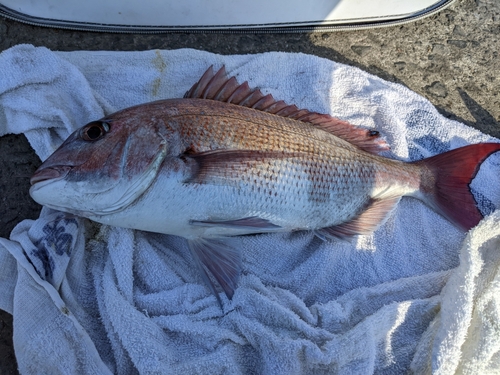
{"type": "Point", "coordinates": [217, 258]}
{"type": "Point", "coordinates": [223, 166]}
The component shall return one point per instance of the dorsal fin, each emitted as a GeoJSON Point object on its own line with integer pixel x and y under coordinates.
{"type": "Point", "coordinates": [221, 88]}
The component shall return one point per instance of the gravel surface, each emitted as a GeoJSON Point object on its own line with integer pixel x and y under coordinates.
{"type": "Point", "coordinates": [450, 58]}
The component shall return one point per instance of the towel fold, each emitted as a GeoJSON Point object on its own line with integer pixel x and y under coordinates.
{"type": "Point", "coordinates": [417, 295]}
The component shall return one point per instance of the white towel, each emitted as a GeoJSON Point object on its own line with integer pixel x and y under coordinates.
{"type": "Point", "coordinates": [417, 295]}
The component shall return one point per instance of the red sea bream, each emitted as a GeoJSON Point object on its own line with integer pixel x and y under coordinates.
{"type": "Point", "coordinates": [226, 160]}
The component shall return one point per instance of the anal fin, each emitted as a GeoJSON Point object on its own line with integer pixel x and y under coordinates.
{"type": "Point", "coordinates": [365, 223]}
{"type": "Point", "coordinates": [217, 258]}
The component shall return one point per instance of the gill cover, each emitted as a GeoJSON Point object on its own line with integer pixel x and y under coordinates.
{"type": "Point", "coordinates": [100, 169]}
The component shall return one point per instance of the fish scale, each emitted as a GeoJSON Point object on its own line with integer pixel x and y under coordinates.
{"type": "Point", "coordinates": [256, 131]}
{"type": "Point", "coordinates": [340, 175]}
{"type": "Point", "coordinates": [206, 168]}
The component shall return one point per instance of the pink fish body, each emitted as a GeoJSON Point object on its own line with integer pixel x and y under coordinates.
{"type": "Point", "coordinates": [226, 161]}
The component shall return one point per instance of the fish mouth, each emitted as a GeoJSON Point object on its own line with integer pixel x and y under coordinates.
{"type": "Point", "coordinates": [49, 173]}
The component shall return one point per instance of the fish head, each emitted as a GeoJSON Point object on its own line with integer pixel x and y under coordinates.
{"type": "Point", "coordinates": [102, 167]}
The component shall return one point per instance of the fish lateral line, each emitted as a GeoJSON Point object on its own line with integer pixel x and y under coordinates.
{"type": "Point", "coordinates": [361, 202]}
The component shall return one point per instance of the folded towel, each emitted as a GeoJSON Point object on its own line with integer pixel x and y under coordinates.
{"type": "Point", "coordinates": [417, 295]}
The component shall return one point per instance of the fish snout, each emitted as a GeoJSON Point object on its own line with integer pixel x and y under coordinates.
{"type": "Point", "coordinates": [49, 173]}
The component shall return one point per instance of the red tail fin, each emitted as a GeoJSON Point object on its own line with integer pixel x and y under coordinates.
{"type": "Point", "coordinates": [446, 178]}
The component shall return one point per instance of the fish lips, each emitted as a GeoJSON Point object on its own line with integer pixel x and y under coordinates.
{"type": "Point", "coordinates": [42, 192]}
{"type": "Point", "coordinates": [49, 173]}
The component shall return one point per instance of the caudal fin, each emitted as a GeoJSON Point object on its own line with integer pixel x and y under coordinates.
{"type": "Point", "coordinates": [446, 178]}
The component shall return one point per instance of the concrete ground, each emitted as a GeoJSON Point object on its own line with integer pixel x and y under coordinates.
{"type": "Point", "coordinates": [451, 58]}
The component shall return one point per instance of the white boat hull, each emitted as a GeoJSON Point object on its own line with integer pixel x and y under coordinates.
{"type": "Point", "coordinates": [165, 15]}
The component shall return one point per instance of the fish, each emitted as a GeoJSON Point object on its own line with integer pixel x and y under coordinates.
{"type": "Point", "coordinates": [226, 160]}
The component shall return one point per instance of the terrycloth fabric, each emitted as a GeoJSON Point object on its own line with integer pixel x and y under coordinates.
{"type": "Point", "coordinates": [417, 295]}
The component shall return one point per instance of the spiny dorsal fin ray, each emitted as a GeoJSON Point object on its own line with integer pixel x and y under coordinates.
{"type": "Point", "coordinates": [221, 88]}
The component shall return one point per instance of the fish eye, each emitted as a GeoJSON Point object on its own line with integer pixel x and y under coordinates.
{"type": "Point", "coordinates": [94, 130]}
